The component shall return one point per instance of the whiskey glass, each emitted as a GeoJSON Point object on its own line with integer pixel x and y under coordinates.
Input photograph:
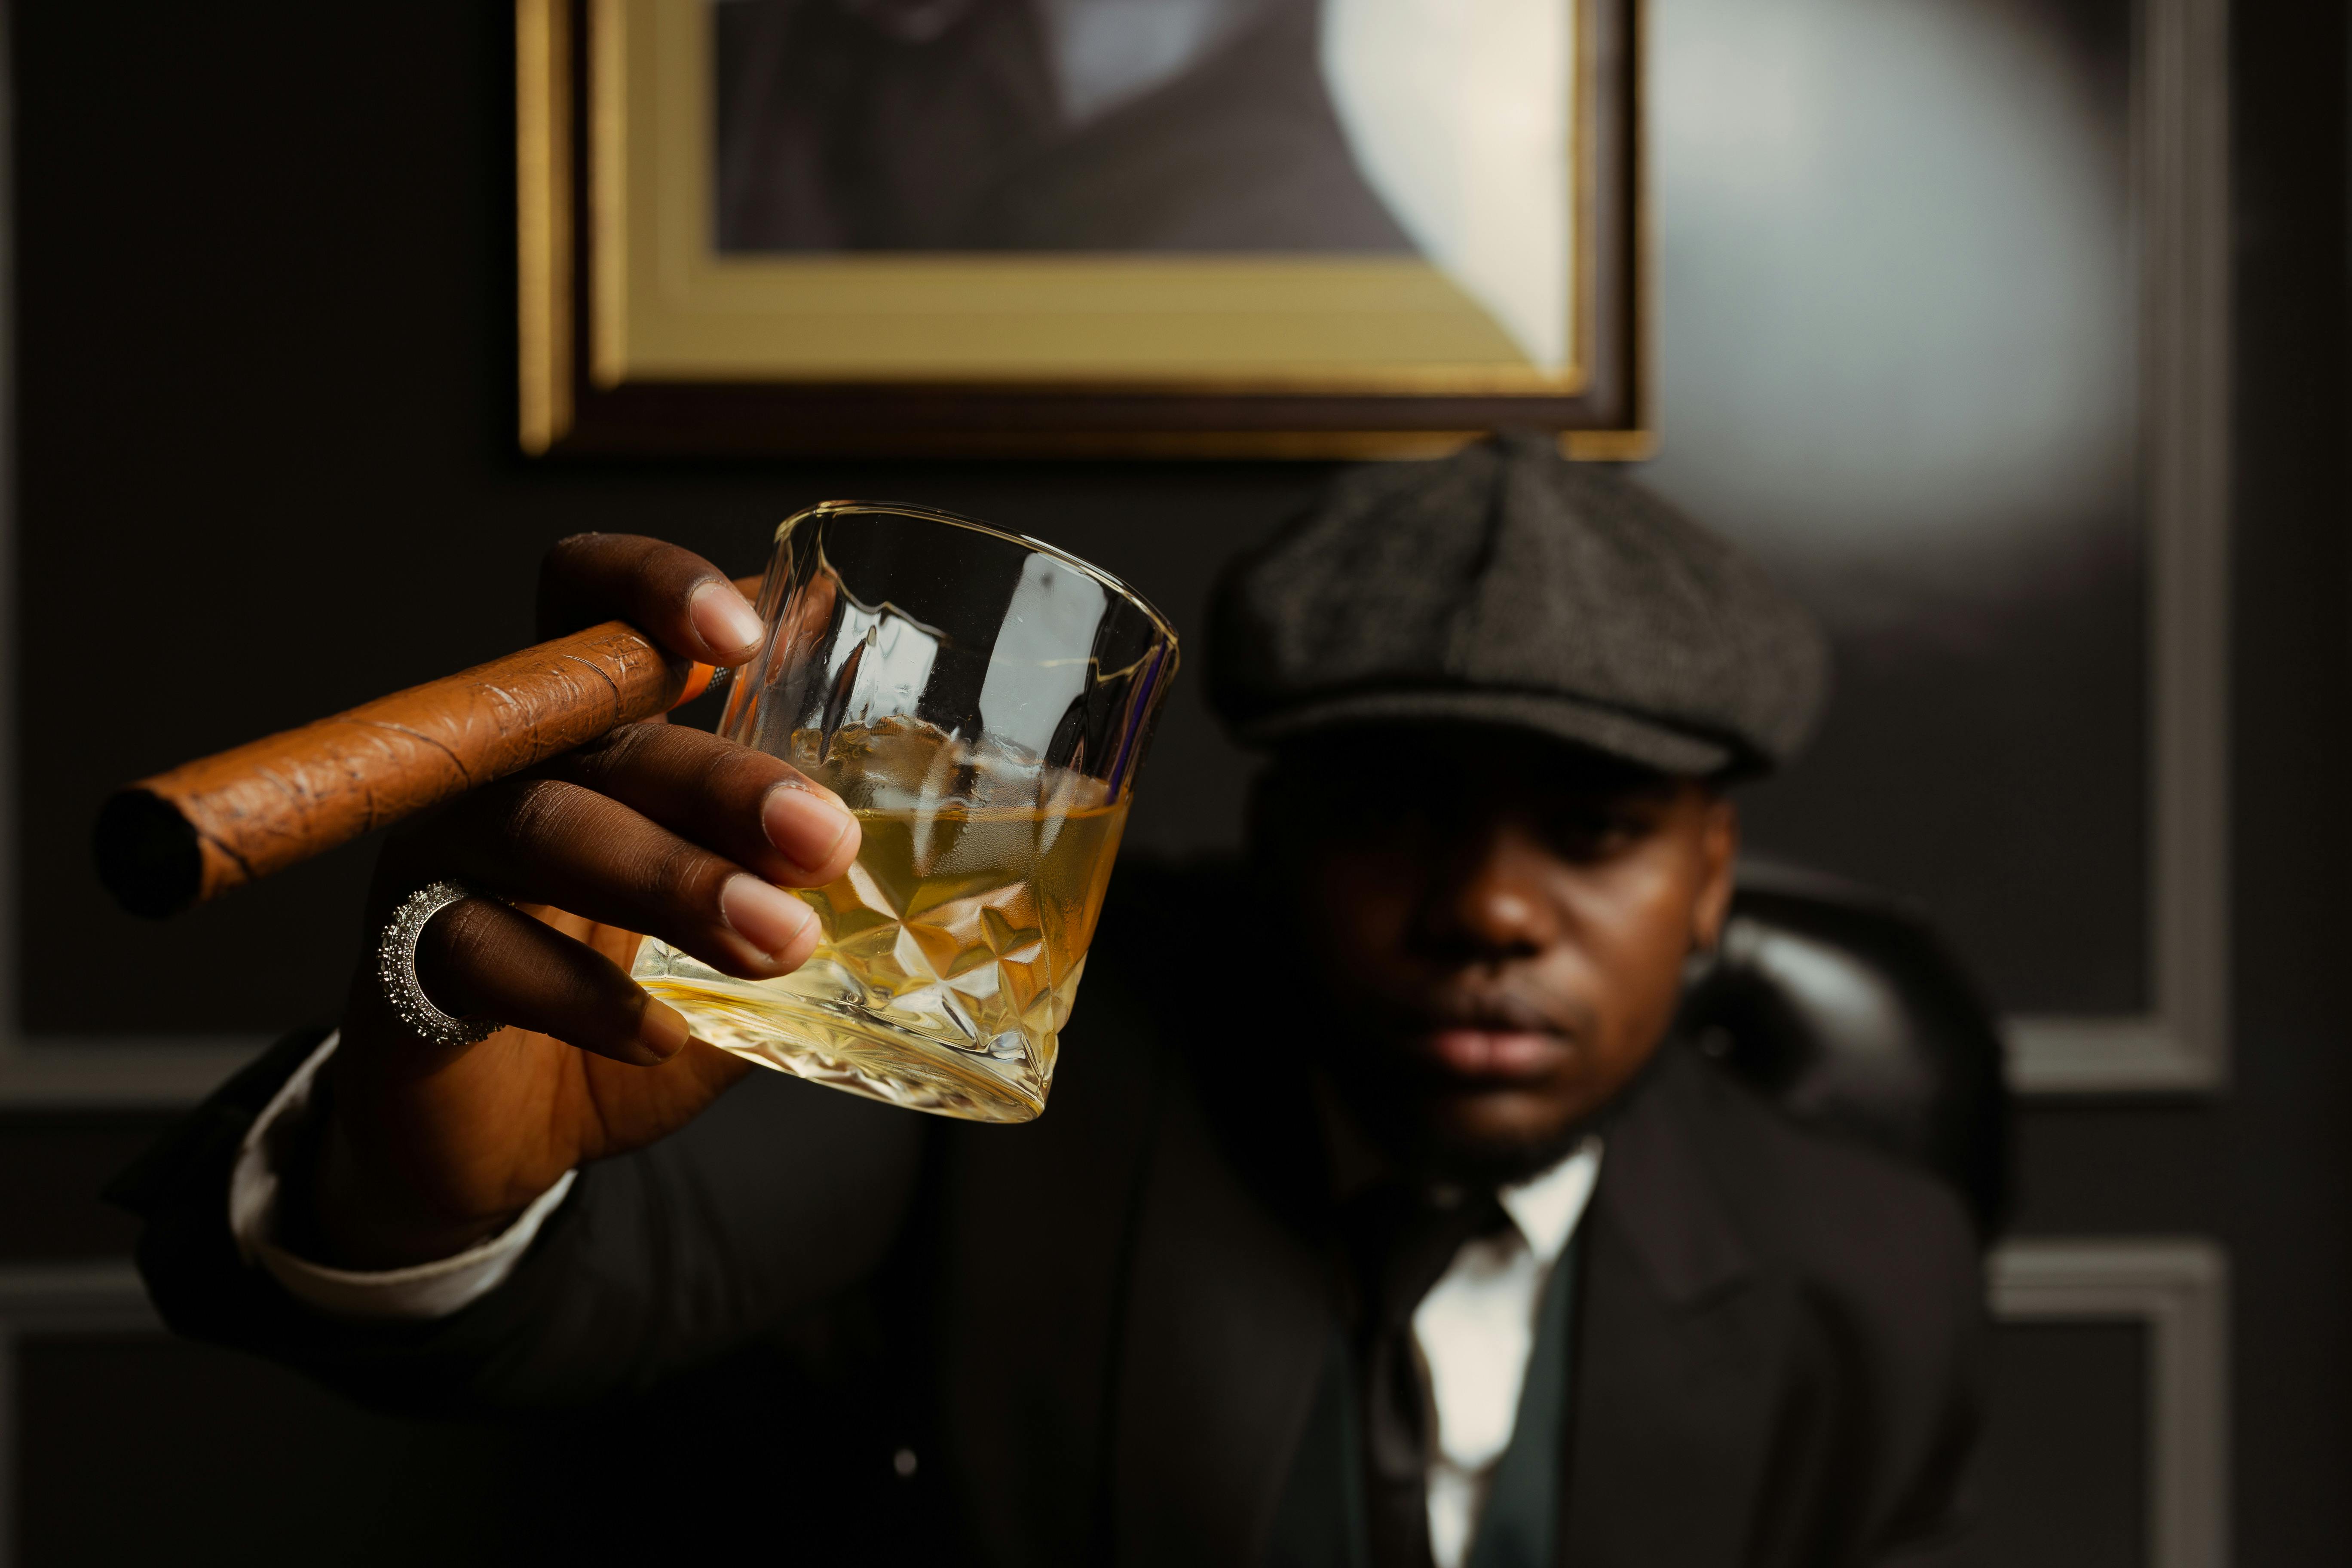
{"type": "Point", "coordinates": [981, 702]}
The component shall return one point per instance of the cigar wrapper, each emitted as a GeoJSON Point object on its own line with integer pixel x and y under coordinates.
{"type": "Point", "coordinates": [180, 837]}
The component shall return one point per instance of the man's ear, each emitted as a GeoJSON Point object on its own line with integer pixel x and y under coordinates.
{"type": "Point", "coordinates": [1719, 848]}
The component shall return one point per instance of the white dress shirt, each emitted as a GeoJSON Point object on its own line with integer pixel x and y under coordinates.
{"type": "Point", "coordinates": [1475, 1330]}
{"type": "Point", "coordinates": [426, 1292]}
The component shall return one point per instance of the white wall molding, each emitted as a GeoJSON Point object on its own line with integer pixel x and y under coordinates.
{"type": "Point", "coordinates": [2178, 1290]}
{"type": "Point", "coordinates": [2144, 1055]}
{"type": "Point", "coordinates": [105, 1073]}
{"type": "Point", "coordinates": [97, 1298]}
{"type": "Point", "coordinates": [2180, 131]}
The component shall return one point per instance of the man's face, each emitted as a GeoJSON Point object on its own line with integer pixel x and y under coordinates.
{"type": "Point", "coordinates": [1500, 936]}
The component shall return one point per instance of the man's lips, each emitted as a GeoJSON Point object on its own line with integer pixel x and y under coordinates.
{"type": "Point", "coordinates": [1495, 1054]}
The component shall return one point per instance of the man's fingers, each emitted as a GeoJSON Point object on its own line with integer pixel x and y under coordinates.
{"type": "Point", "coordinates": [757, 811]}
{"type": "Point", "coordinates": [478, 958]}
{"type": "Point", "coordinates": [674, 596]}
{"type": "Point", "coordinates": [547, 840]}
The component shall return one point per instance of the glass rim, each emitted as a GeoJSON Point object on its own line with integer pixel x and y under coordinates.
{"type": "Point", "coordinates": [933, 514]}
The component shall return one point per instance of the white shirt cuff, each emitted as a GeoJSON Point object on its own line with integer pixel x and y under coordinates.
{"type": "Point", "coordinates": [415, 1294]}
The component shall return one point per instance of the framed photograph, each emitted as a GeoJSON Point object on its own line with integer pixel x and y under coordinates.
{"type": "Point", "coordinates": [1078, 226]}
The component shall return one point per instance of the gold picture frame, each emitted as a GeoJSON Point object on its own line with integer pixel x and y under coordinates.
{"type": "Point", "coordinates": [636, 335]}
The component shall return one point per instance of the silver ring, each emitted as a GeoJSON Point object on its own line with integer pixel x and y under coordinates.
{"type": "Point", "coordinates": [396, 968]}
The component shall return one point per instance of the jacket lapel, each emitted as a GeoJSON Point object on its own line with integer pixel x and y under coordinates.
{"type": "Point", "coordinates": [1683, 1351]}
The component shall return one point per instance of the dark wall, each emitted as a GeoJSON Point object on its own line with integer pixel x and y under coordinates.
{"type": "Point", "coordinates": [266, 376]}
{"type": "Point", "coordinates": [263, 405]}
{"type": "Point", "coordinates": [2268, 1167]}
{"type": "Point", "coordinates": [268, 467]}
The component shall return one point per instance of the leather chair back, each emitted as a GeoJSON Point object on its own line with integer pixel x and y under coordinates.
{"type": "Point", "coordinates": [1847, 1010]}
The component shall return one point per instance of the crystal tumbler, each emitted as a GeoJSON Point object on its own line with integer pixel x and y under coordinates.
{"type": "Point", "coordinates": [981, 702]}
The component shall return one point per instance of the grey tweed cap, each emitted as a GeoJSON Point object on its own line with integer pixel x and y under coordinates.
{"type": "Point", "coordinates": [1506, 585]}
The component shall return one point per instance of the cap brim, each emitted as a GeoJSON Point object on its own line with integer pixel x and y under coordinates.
{"type": "Point", "coordinates": [1603, 730]}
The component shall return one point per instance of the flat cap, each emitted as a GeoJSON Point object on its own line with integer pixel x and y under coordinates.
{"type": "Point", "coordinates": [1507, 586]}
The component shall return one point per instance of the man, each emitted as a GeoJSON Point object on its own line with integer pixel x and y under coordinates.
{"type": "Point", "coordinates": [1378, 1218]}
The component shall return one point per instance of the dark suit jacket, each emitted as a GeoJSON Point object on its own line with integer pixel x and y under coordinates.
{"type": "Point", "coordinates": [1097, 1338]}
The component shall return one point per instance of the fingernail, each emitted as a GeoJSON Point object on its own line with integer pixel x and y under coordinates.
{"type": "Point", "coordinates": [806, 827]}
{"type": "Point", "coordinates": [661, 1030]}
{"type": "Point", "coordinates": [768, 918]}
{"type": "Point", "coordinates": [724, 622]}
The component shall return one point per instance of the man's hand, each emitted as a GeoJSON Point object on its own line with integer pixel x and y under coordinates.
{"type": "Point", "coordinates": [671, 832]}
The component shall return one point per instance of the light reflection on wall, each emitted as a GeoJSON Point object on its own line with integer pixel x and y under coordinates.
{"type": "Point", "coordinates": [1896, 322]}
{"type": "Point", "coordinates": [1895, 315]}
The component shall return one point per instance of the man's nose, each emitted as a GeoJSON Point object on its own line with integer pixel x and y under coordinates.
{"type": "Point", "coordinates": [1491, 905]}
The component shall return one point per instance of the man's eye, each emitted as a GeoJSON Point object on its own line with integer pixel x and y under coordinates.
{"type": "Point", "coordinates": [1402, 829]}
{"type": "Point", "coordinates": [1593, 836]}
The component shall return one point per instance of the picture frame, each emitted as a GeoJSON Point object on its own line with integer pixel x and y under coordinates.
{"type": "Point", "coordinates": [639, 334]}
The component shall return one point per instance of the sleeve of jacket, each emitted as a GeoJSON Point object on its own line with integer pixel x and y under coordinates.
{"type": "Point", "coordinates": [779, 1198]}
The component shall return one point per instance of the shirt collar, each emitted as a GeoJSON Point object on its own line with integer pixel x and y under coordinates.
{"type": "Point", "coordinates": [1546, 1208]}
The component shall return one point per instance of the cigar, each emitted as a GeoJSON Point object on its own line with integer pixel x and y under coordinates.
{"type": "Point", "coordinates": [175, 840]}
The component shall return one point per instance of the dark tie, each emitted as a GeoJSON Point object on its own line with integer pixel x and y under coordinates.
{"type": "Point", "coordinates": [1401, 1241]}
